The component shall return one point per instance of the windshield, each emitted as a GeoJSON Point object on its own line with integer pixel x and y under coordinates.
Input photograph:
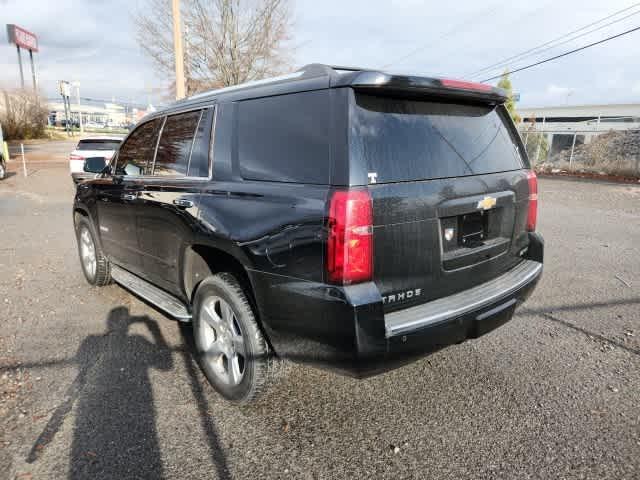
{"type": "Point", "coordinates": [98, 145]}
{"type": "Point", "coordinates": [405, 140]}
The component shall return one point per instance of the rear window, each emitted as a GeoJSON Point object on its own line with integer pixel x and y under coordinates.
{"type": "Point", "coordinates": [403, 140]}
{"type": "Point", "coordinates": [98, 144]}
{"type": "Point", "coordinates": [176, 141]}
{"type": "Point", "coordinates": [285, 138]}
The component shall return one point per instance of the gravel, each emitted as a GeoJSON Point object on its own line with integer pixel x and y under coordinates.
{"type": "Point", "coordinates": [108, 388]}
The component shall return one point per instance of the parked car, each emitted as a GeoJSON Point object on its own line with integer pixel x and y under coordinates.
{"type": "Point", "coordinates": [71, 123]}
{"type": "Point", "coordinates": [349, 219]}
{"type": "Point", "coordinates": [91, 147]}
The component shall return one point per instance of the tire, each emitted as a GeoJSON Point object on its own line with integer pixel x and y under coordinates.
{"type": "Point", "coordinates": [230, 347]}
{"type": "Point", "coordinates": [3, 170]}
{"type": "Point", "coordinates": [95, 266]}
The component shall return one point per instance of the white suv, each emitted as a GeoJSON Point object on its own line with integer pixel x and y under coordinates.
{"type": "Point", "coordinates": [92, 147]}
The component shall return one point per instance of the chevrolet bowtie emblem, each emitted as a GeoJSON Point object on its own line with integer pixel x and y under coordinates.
{"type": "Point", "coordinates": [487, 203]}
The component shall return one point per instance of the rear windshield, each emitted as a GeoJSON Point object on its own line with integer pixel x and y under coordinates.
{"type": "Point", "coordinates": [403, 140]}
{"type": "Point", "coordinates": [98, 144]}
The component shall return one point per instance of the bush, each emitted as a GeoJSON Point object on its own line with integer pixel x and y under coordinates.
{"type": "Point", "coordinates": [23, 114]}
{"type": "Point", "coordinates": [536, 145]}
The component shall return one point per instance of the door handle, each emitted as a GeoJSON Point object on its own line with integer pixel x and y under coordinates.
{"type": "Point", "coordinates": [183, 203]}
{"type": "Point", "coordinates": [128, 196]}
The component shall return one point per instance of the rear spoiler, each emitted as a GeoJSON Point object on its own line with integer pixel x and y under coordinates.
{"type": "Point", "coordinates": [405, 85]}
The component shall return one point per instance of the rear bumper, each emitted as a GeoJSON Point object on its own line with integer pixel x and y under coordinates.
{"type": "Point", "coordinates": [345, 328]}
{"type": "Point", "coordinates": [493, 292]}
{"type": "Point", "coordinates": [78, 177]}
{"type": "Point", "coordinates": [467, 319]}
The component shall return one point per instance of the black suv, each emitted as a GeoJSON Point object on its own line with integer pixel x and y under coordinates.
{"type": "Point", "coordinates": [341, 217]}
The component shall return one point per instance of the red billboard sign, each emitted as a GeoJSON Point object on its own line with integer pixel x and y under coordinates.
{"type": "Point", "coordinates": [23, 38]}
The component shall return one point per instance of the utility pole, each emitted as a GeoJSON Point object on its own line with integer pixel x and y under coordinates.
{"type": "Point", "coordinates": [177, 49]}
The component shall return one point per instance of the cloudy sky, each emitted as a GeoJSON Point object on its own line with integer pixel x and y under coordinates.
{"type": "Point", "coordinates": [93, 41]}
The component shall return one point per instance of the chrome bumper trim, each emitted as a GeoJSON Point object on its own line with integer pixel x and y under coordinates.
{"type": "Point", "coordinates": [414, 318]}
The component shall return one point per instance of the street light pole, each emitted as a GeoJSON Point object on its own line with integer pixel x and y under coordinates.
{"type": "Point", "coordinates": [77, 85]}
{"type": "Point", "coordinates": [177, 49]}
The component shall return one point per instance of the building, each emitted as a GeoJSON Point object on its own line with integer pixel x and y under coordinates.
{"type": "Point", "coordinates": [111, 114]}
{"type": "Point", "coordinates": [569, 125]}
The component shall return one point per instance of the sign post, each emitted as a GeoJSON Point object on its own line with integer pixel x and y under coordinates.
{"type": "Point", "coordinates": [20, 64]}
{"type": "Point", "coordinates": [25, 39]}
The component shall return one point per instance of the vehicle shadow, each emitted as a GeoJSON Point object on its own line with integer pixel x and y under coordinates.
{"type": "Point", "coordinates": [216, 452]}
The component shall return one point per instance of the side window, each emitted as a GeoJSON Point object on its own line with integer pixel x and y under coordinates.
{"type": "Point", "coordinates": [175, 144]}
{"type": "Point", "coordinates": [285, 138]}
{"type": "Point", "coordinates": [199, 163]}
{"type": "Point", "coordinates": [138, 150]}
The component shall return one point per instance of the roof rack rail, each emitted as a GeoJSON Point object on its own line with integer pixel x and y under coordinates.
{"type": "Point", "coordinates": [348, 69]}
{"type": "Point", "coordinates": [251, 83]}
{"type": "Point", "coordinates": [310, 70]}
{"type": "Point", "coordinates": [321, 68]}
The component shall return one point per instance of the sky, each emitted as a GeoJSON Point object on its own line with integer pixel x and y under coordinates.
{"type": "Point", "coordinates": [94, 42]}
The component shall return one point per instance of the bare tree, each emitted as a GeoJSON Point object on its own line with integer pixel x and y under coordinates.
{"type": "Point", "coordinates": [23, 114]}
{"type": "Point", "coordinates": [226, 41]}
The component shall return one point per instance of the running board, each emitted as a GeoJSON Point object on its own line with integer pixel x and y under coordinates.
{"type": "Point", "coordinates": [152, 294]}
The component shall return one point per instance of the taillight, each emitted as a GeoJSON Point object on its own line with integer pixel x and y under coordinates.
{"type": "Point", "coordinates": [465, 85]}
{"type": "Point", "coordinates": [532, 216]}
{"type": "Point", "coordinates": [350, 242]}
{"type": "Point", "coordinates": [73, 156]}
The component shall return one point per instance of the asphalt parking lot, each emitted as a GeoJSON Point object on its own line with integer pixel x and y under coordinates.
{"type": "Point", "coordinates": [97, 384]}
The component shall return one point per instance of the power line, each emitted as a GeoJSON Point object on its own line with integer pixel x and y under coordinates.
{"type": "Point", "coordinates": [517, 19]}
{"type": "Point", "coordinates": [527, 53]}
{"type": "Point", "coordinates": [441, 37]}
{"type": "Point", "coordinates": [566, 53]}
{"type": "Point", "coordinates": [538, 52]}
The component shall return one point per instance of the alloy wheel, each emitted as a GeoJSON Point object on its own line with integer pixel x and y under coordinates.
{"type": "Point", "coordinates": [221, 341]}
{"type": "Point", "coordinates": [88, 252]}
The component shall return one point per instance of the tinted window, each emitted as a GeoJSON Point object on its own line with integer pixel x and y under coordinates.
{"type": "Point", "coordinates": [138, 149]}
{"type": "Point", "coordinates": [175, 144]}
{"type": "Point", "coordinates": [402, 140]}
{"type": "Point", "coordinates": [199, 163]}
{"type": "Point", "coordinates": [98, 144]}
{"type": "Point", "coordinates": [285, 138]}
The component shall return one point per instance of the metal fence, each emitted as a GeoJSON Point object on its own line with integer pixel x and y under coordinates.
{"type": "Point", "coordinates": [577, 145]}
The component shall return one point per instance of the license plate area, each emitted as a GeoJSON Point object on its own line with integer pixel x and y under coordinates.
{"type": "Point", "coordinates": [473, 229]}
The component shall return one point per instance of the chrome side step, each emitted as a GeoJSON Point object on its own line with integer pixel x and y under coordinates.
{"type": "Point", "coordinates": [158, 297]}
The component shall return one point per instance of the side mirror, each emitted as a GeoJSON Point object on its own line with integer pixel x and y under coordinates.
{"type": "Point", "coordinates": [95, 164]}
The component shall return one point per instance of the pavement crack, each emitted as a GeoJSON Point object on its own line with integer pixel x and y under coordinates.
{"type": "Point", "coordinates": [584, 331]}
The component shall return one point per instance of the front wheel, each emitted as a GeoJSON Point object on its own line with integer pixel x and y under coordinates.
{"type": "Point", "coordinates": [230, 347]}
{"type": "Point", "coordinates": [3, 170]}
{"type": "Point", "coordinates": [95, 265]}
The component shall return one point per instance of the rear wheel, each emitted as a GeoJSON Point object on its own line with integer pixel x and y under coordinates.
{"type": "Point", "coordinates": [94, 264]}
{"type": "Point", "coordinates": [230, 347]}
{"type": "Point", "coordinates": [3, 170]}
